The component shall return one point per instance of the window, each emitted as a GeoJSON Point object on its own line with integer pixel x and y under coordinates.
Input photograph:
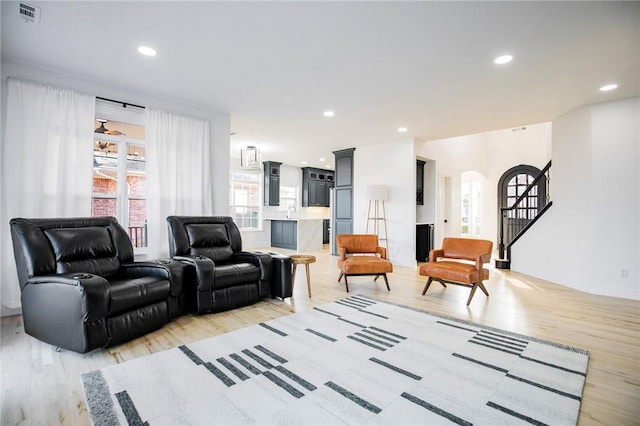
{"type": "Point", "coordinates": [288, 197]}
{"type": "Point", "coordinates": [119, 178]}
{"type": "Point", "coordinates": [244, 199]}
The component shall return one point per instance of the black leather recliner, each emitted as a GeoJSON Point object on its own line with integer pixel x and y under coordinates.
{"type": "Point", "coordinates": [218, 275]}
{"type": "Point", "coordinates": [82, 290]}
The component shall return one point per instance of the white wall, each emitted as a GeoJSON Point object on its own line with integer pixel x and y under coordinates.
{"type": "Point", "coordinates": [219, 122]}
{"type": "Point", "coordinates": [490, 154]}
{"type": "Point", "coordinates": [592, 231]}
{"type": "Point", "coordinates": [392, 164]}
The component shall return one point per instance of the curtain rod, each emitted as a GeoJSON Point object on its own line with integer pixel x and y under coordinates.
{"type": "Point", "coordinates": [124, 104]}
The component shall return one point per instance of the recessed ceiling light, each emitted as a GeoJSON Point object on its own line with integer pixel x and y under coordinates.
{"type": "Point", "coordinates": [608, 87]}
{"type": "Point", "coordinates": [402, 129]}
{"type": "Point", "coordinates": [304, 162]}
{"type": "Point", "coordinates": [321, 160]}
{"type": "Point", "coordinates": [504, 59]}
{"type": "Point", "coordinates": [329, 113]}
{"type": "Point", "coordinates": [147, 51]}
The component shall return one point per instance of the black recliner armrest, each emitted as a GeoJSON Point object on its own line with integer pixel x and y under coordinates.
{"type": "Point", "coordinates": [169, 269]}
{"type": "Point", "coordinates": [204, 269]}
{"type": "Point", "coordinates": [259, 259]}
{"type": "Point", "coordinates": [93, 292]}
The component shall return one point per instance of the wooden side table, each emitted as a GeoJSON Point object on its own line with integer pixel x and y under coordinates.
{"type": "Point", "coordinates": [301, 259]}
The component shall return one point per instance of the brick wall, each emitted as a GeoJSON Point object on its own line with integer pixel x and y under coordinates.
{"type": "Point", "coordinates": [136, 185]}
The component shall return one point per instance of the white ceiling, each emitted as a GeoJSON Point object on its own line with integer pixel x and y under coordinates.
{"type": "Point", "coordinates": [276, 66]}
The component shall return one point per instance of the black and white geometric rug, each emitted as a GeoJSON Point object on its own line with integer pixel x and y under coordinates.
{"type": "Point", "coordinates": [354, 361]}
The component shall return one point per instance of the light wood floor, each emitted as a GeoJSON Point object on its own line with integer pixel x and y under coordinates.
{"type": "Point", "coordinates": [42, 386]}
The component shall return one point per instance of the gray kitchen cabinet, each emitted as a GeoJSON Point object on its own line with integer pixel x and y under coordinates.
{"type": "Point", "coordinates": [284, 234]}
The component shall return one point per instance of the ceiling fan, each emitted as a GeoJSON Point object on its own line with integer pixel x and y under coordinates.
{"type": "Point", "coordinates": [103, 145]}
{"type": "Point", "coordinates": [104, 130]}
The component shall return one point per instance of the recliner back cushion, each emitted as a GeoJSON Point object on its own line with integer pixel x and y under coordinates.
{"type": "Point", "coordinates": [210, 240]}
{"type": "Point", "coordinates": [88, 249]}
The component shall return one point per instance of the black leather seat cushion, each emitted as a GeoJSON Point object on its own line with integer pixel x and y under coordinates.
{"type": "Point", "coordinates": [128, 294]}
{"type": "Point", "coordinates": [235, 274]}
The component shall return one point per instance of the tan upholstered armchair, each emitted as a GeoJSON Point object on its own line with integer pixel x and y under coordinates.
{"type": "Point", "coordinates": [360, 254]}
{"type": "Point", "coordinates": [445, 265]}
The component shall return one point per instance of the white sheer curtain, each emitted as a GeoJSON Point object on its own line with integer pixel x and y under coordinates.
{"type": "Point", "coordinates": [178, 173]}
{"type": "Point", "coordinates": [46, 158]}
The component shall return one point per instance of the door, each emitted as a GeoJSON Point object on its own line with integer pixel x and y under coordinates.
{"type": "Point", "coordinates": [442, 226]}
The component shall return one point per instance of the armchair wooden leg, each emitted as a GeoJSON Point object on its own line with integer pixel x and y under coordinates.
{"type": "Point", "coordinates": [426, 287]}
{"type": "Point", "coordinates": [386, 281]}
{"type": "Point", "coordinates": [482, 287]}
{"type": "Point", "coordinates": [341, 275]}
{"type": "Point", "coordinates": [346, 284]}
{"type": "Point", "coordinates": [377, 276]}
{"type": "Point", "coordinates": [473, 291]}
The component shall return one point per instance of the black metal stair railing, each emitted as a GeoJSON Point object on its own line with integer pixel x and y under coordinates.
{"type": "Point", "coordinates": [525, 211]}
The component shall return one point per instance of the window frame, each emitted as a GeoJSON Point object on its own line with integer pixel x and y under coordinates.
{"type": "Point", "coordinates": [122, 195]}
{"type": "Point", "coordinates": [257, 207]}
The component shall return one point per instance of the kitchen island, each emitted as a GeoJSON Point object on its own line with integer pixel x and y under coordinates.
{"type": "Point", "coordinates": [298, 234]}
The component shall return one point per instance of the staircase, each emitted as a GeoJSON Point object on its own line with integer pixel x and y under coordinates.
{"type": "Point", "coordinates": [525, 211]}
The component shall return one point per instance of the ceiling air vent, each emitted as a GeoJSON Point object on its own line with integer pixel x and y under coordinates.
{"type": "Point", "coordinates": [30, 13]}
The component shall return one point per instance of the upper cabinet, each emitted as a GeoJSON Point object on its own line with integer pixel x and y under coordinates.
{"type": "Point", "coordinates": [271, 183]}
{"type": "Point", "coordinates": [316, 184]}
{"type": "Point", "coordinates": [420, 182]}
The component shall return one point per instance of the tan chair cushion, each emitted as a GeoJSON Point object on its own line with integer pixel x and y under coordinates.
{"type": "Point", "coordinates": [365, 265]}
{"type": "Point", "coordinates": [453, 271]}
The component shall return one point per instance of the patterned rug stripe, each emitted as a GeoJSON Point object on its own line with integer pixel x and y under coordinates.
{"type": "Point", "coordinates": [296, 378]}
{"type": "Point", "coordinates": [353, 397]}
{"type": "Point", "coordinates": [502, 336]}
{"type": "Point", "coordinates": [99, 399]}
{"type": "Point", "coordinates": [129, 409]}
{"type": "Point", "coordinates": [275, 356]}
{"type": "Point", "coordinates": [497, 343]}
{"type": "Point", "coordinates": [568, 370]}
{"type": "Point", "coordinates": [374, 340]}
{"type": "Point", "coordinates": [283, 385]}
{"type": "Point", "coordinates": [233, 369]}
{"type": "Point", "coordinates": [191, 355]}
{"type": "Point", "coordinates": [499, 339]}
{"type": "Point", "coordinates": [353, 323]}
{"type": "Point", "coordinates": [326, 312]}
{"type": "Point", "coordinates": [246, 364]}
{"type": "Point", "coordinates": [436, 410]}
{"type": "Point", "coordinates": [219, 374]}
{"type": "Point", "coordinates": [366, 330]}
{"type": "Point", "coordinates": [475, 342]}
{"type": "Point", "coordinates": [369, 302]}
{"type": "Point", "coordinates": [258, 359]}
{"type": "Point", "coordinates": [324, 336]}
{"type": "Point", "coordinates": [547, 388]}
{"type": "Point", "coordinates": [356, 303]}
{"type": "Point", "coordinates": [364, 342]}
{"type": "Point", "coordinates": [396, 369]}
{"type": "Point", "coordinates": [515, 414]}
{"type": "Point", "coordinates": [275, 330]}
{"type": "Point", "coordinates": [389, 333]}
{"type": "Point", "coordinates": [458, 326]}
{"type": "Point", "coordinates": [484, 364]}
